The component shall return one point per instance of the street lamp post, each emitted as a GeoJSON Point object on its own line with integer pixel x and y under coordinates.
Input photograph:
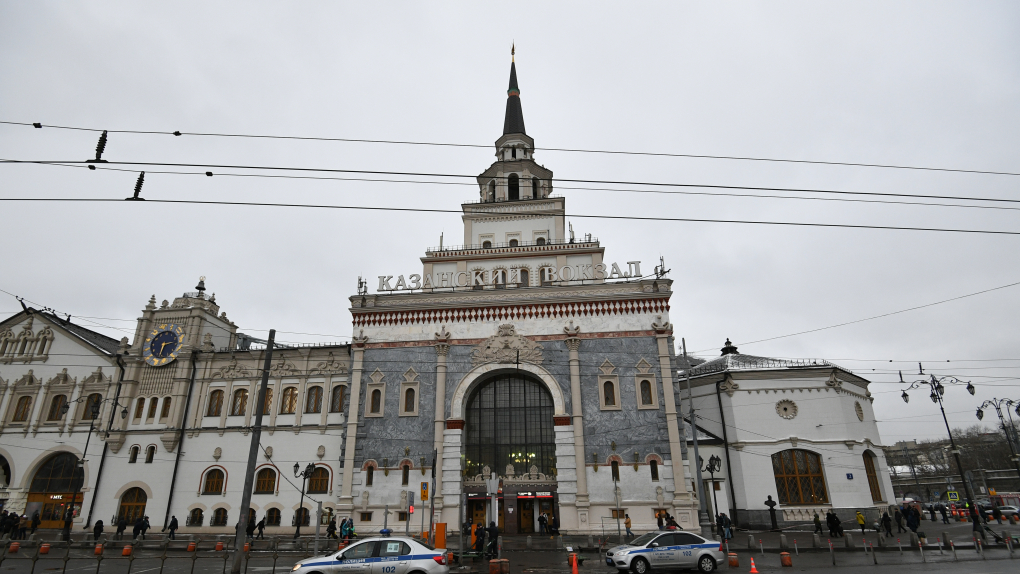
{"type": "Point", "coordinates": [703, 519]}
{"type": "Point", "coordinates": [997, 404]}
{"type": "Point", "coordinates": [937, 387]}
{"type": "Point", "coordinates": [714, 465]}
{"type": "Point", "coordinates": [304, 475]}
{"type": "Point", "coordinates": [69, 510]}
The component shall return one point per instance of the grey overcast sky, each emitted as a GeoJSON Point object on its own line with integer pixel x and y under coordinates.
{"type": "Point", "coordinates": [913, 83]}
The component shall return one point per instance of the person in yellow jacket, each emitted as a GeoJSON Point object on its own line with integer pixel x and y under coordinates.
{"type": "Point", "coordinates": [626, 524]}
{"type": "Point", "coordinates": [860, 521]}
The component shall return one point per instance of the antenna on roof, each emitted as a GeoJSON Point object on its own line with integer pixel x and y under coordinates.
{"type": "Point", "coordinates": [660, 269]}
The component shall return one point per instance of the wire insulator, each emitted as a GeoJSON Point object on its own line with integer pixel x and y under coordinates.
{"type": "Point", "coordinates": [138, 188]}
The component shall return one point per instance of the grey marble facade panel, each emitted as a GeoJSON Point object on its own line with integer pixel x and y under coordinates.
{"type": "Point", "coordinates": [387, 436]}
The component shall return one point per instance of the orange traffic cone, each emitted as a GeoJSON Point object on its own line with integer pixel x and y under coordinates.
{"type": "Point", "coordinates": [753, 569]}
{"type": "Point", "coordinates": [573, 564]}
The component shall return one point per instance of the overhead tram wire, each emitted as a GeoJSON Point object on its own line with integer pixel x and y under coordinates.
{"type": "Point", "coordinates": [559, 149]}
{"type": "Point", "coordinates": [457, 211]}
{"type": "Point", "coordinates": [470, 176]}
{"type": "Point", "coordinates": [559, 187]}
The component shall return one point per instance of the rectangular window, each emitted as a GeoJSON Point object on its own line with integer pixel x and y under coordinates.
{"type": "Point", "coordinates": [621, 514]}
{"type": "Point", "coordinates": [366, 517]}
{"type": "Point", "coordinates": [401, 517]}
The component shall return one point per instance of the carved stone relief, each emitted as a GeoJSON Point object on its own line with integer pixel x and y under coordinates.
{"type": "Point", "coordinates": [507, 347]}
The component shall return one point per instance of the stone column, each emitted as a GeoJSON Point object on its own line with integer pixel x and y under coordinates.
{"type": "Point", "coordinates": [439, 416]}
{"type": "Point", "coordinates": [346, 500]}
{"type": "Point", "coordinates": [577, 416]}
{"type": "Point", "coordinates": [39, 409]}
{"type": "Point", "coordinates": [76, 389]}
{"type": "Point", "coordinates": [681, 491]}
{"type": "Point", "coordinates": [5, 402]}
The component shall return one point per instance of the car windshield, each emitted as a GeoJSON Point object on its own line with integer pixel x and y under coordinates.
{"type": "Point", "coordinates": [644, 539]}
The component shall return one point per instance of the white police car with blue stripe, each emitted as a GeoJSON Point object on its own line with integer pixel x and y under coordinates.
{"type": "Point", "coordinates": [387, 555]}
{"type": "Point", "coordinates": [666, 551]}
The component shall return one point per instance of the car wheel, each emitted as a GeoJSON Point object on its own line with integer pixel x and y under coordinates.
{"type": "Point", "coordinates": [640, 566]}
{"type": "Point", "coordinates": [706, 563]}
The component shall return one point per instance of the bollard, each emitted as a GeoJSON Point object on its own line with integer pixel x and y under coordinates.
{"type": "Point", "coordinates": [504, 566]}
{"type": "Point", "coordinates": [795, 549]}
{"type": "Point", "coordinates": [848, 540]}
{"type": "Point", "coordinates": [528, 544]}
{"type": "Point", "coordinates": [953, 546]}
{"type": "Point", "coordinates": [785, 560]}
{"type": "Point", "coordinates": [914, 539]}
{"type": "Point", "coordinates": [921, 548]}
{"type": "Point", "coordinates": [734, 560]}
{"type": "Point", "coordinates": [981, 549]}
{"type": "Point", "coordinates": [816, 540]}
{"type": "Point", "coordinates": [44, 548]}
{"type": "Point", "coordinates": [99, 549]}
{"type": "Point", "coordinates": [899, 545]}
{"type": "Point", "coordinates": [750, 541]}
{"type": "Point", "coordinates": [14, 547]}
{"type": "Point", "coordinates": [783, 544]}
{"type": "Point", "coordinates": [219, 546]}
{"type": "Point", "coordinates": [832, 551]}
{"type": "Point", "coordinates": [881, 541]}
{"type": "Point", "coordinates": [874, 558]}
{"type": "Point", "coordinates": [762, 546]}
{"type": "Point", "coordinates": [191, 546]}
{"type": "Point", "coordinates": [126, 551]}
{"type": "Point", "coordinates": [1009, 545]}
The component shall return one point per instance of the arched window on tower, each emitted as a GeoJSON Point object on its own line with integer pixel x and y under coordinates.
{"type": "Point", "coordinates": [653, 467]}
{"type": "Point", "coordinates": [491, 195]}
{"type": "Point", "coordinates": [139, 409]}
{"type": "Point", "coordinates": [534, 188]}
{"type": "Point", "coordinates": [336, 403]}
{"type": "Point", "coordinates": [513, 187]}
{"type": "Point", "coordinates": [540, 241]}
{"type": "Point", "coordinates": [376, 404]}
{"type": "Point", "coordinates": [150, 453]}
{"type": "Point", "coordinates": [525, 278]}
{"type": "Point", "coordinates": [609, 390]}
{"type": "Point", "coordinates": [615, 465]}
{"type": "Point", "coordinates": [153, 404]}
{"type": "Point", "coordinates": [405, 474]}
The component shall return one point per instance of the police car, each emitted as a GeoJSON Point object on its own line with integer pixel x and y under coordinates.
{"type": "Point", "coordinates": [397, 555]}
{"type": "Point", "coordinates": [666, 551]}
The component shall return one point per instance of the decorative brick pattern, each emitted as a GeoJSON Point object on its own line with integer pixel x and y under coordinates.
{"type": "Point", "coordinates": [512, 312]}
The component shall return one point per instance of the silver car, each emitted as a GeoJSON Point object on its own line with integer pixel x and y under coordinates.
{"type": "Point", "coordinates": [666, 551]}
{"type": "Point", "coordinates": [396, 555]}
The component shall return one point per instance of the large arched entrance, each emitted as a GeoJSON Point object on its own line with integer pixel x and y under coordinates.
{"type": "Point", "coordinates": [53, 488]}
{"type": "Point", "coordinates": [509, 429]}
{"type": "Point", "coordinates": [132, 505]}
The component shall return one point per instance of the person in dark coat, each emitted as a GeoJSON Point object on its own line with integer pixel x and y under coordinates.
{"type": "Point", "coordinates": [138, 529]}
{"type": "Point", "coordinates": [479, 537]}
{"type": "Point", "coordinates": [36, 521]}
{"type": "Point", "coordinates": [493, 534]}
{"type": "Point", "coordinates": [899, 521]}
{"type": "Point", "coordinates": [887, 523]}
{"type": "Point", "coordinates": [97, 530]}
{"type": "Point", "coordinates": [121, 527]}
{"type": "Point", "coordinates": [261, 526]}
{"type": "Point", "coordinates": [945, 516]}
{"type": "Point", "coordinates": [174, 525]}
{"type": "Point", "coordinates": [249, 531]}
{"type": "Point", "coordinates": [331, 528]}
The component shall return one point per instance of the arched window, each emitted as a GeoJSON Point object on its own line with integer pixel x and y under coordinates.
{"type": "Point", "coordinates": [513, 153]}
{"type": "Point", "coordinates": [265, 481]}
{"type": "Point", "coordinates": [799, 478]}
{"type": "Point", "coordinates": [336, 401]}
{"type": "Point", "coordinates": [219, 517]}
{"type": "Point", "coordinates": [273, 516]}
{"type": "Point", "coordinates": [132, 505]}
{"type": "Point", "coordinates": [92, 406]}
{"type": "Point", "coordinates": [492, 191]}
{"type": "Point", "coordinates": [150, 453]}
{"type": "Point", "coordinates": [23, 410]}
{"type": "Point", "coordinates": [653, 467]}
{"type": "Point", "coordinates": [153, 403]}
{"type": "Point", "coordinates": [215, 404]}
{"type": "Point", "coordinates": [267, 407]}
{"type": "Point", "coordinates": [525, 278]}
{"type": "Point", "coordinates": [240, 402]}
{"type": "Point", "coordinates": [195, 517]}
{"type": "Point", "coordinates": [514, 243]}
{"type": "Point", "coordinates": [139, 408]}
{"type": "Point", "coordinates": [509, 421]}
{"type": "Point", "coordinates": [313, 403]}
{"type": "Point", "coordinates": [646, 393]}
{"type": "Point", "coordinates": [534, 187]}
{"type": "Point", "coordinates": [869, 469]}
{"type": "Point", "coordinates": [133, 455]}
{"type": "Point", "coordinates": [376, 403]}
{"type": "Point", "coordinates": [318, 483]}
{"type": "Point", "coordinates": [55, 406]}
{"type": "Point", "coordinates": [513, 187]}
{"type": "Point", "coordinates": [545, 273]}
{"type": "Point", "coordinates": [540, 241]}
{"type": "Point", "coordinates": [289, 403]}
{"type": "Point", "coordinates": [615, 465]}
{"type": "Point", "coordinates": [213, 482]}
{"type": "Point", "coordinates": [369, 475]}
{"type": "Point", "coordinates": [486, 244]}
{"type": "Point", "coordinates": [409, 400]}
{"type": "Point", "coordinates": [165, 411]}
{"type": "Point", "coordinates": [301, 517]}
{"type": "Point", "coordinates": [609, 393]}
{"type": "Point", "coordinates": [405, 474]}
{"type": "Point", "coordinates": [55, 475]}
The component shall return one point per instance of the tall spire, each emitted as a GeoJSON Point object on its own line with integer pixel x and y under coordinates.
{"type": "Point", "coordinates": [513, 123]}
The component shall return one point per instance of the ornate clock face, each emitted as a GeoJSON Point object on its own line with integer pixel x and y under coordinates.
{"type": "Point", "coordinates": [163, 344]}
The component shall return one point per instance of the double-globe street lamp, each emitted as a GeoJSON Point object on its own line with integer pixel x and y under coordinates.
{"type": "Point", "coordinates": [713, 466]}
{"type": "Point", "coordinates": [997, 404]}
{"type": "Point", "coordinates": [937, 387]}
{"type": "Point", "coordinates": [93, 408]}
{"type": "Point", "coordinates": [304, 475]}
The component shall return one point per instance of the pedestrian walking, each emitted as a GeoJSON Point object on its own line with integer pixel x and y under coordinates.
{"type": "Point", "coordinates": [660, 521]}
{"type": "Point", "coordinates": [23, 526]}
{"type": "Point", "coordinates": [173, 527]}
{"type": "Point", "coordinates": [249, 530]}
{"type": "Point", "coordinates": [945, 516]}
{"type": "Point", "coordinates": [724, 524]}
{"type": "Point", "coordinates": [887, 523]}
{"type": "Point", "coordinates": [36, 521]}
{"type": "Point", "coordinates": [899, 521]}
{"type": "Point", "coordinates": [931, 510]}
{"type": "Point", "coordinates": [860, 521]}
{"type": "Point", "coordinates": [556, 525]}
{"type": "Point", "coordinates": [331, 529]}
{"type": "Point", "coordinates": [261, 526]}
{"type": "Point", "coordinates": [626, 524]}
{"type": "Point", "coordinates": [979, 529]}
{"type": "Point", "coordinates": [479, 538]}
{"type": "Point", "coordinates": [997, 514]}
{"type": "Point", "coordinates": [493, 533]}
{"type": "Point", "coordinates": [121, 527]}
{"type": "Point", "coordinates": [542, 522]}
{"type": "Point", "coordinates": [818, 524]}
{"type": "Point", "coordinates": [97, 530]}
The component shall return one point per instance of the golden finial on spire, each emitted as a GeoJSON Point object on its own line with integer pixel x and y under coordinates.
{"type": "Point", "coordinates": [512, 47]}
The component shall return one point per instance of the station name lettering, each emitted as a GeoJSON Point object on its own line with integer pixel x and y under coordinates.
{"type": "Point", "coordinates": [549, 273]}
